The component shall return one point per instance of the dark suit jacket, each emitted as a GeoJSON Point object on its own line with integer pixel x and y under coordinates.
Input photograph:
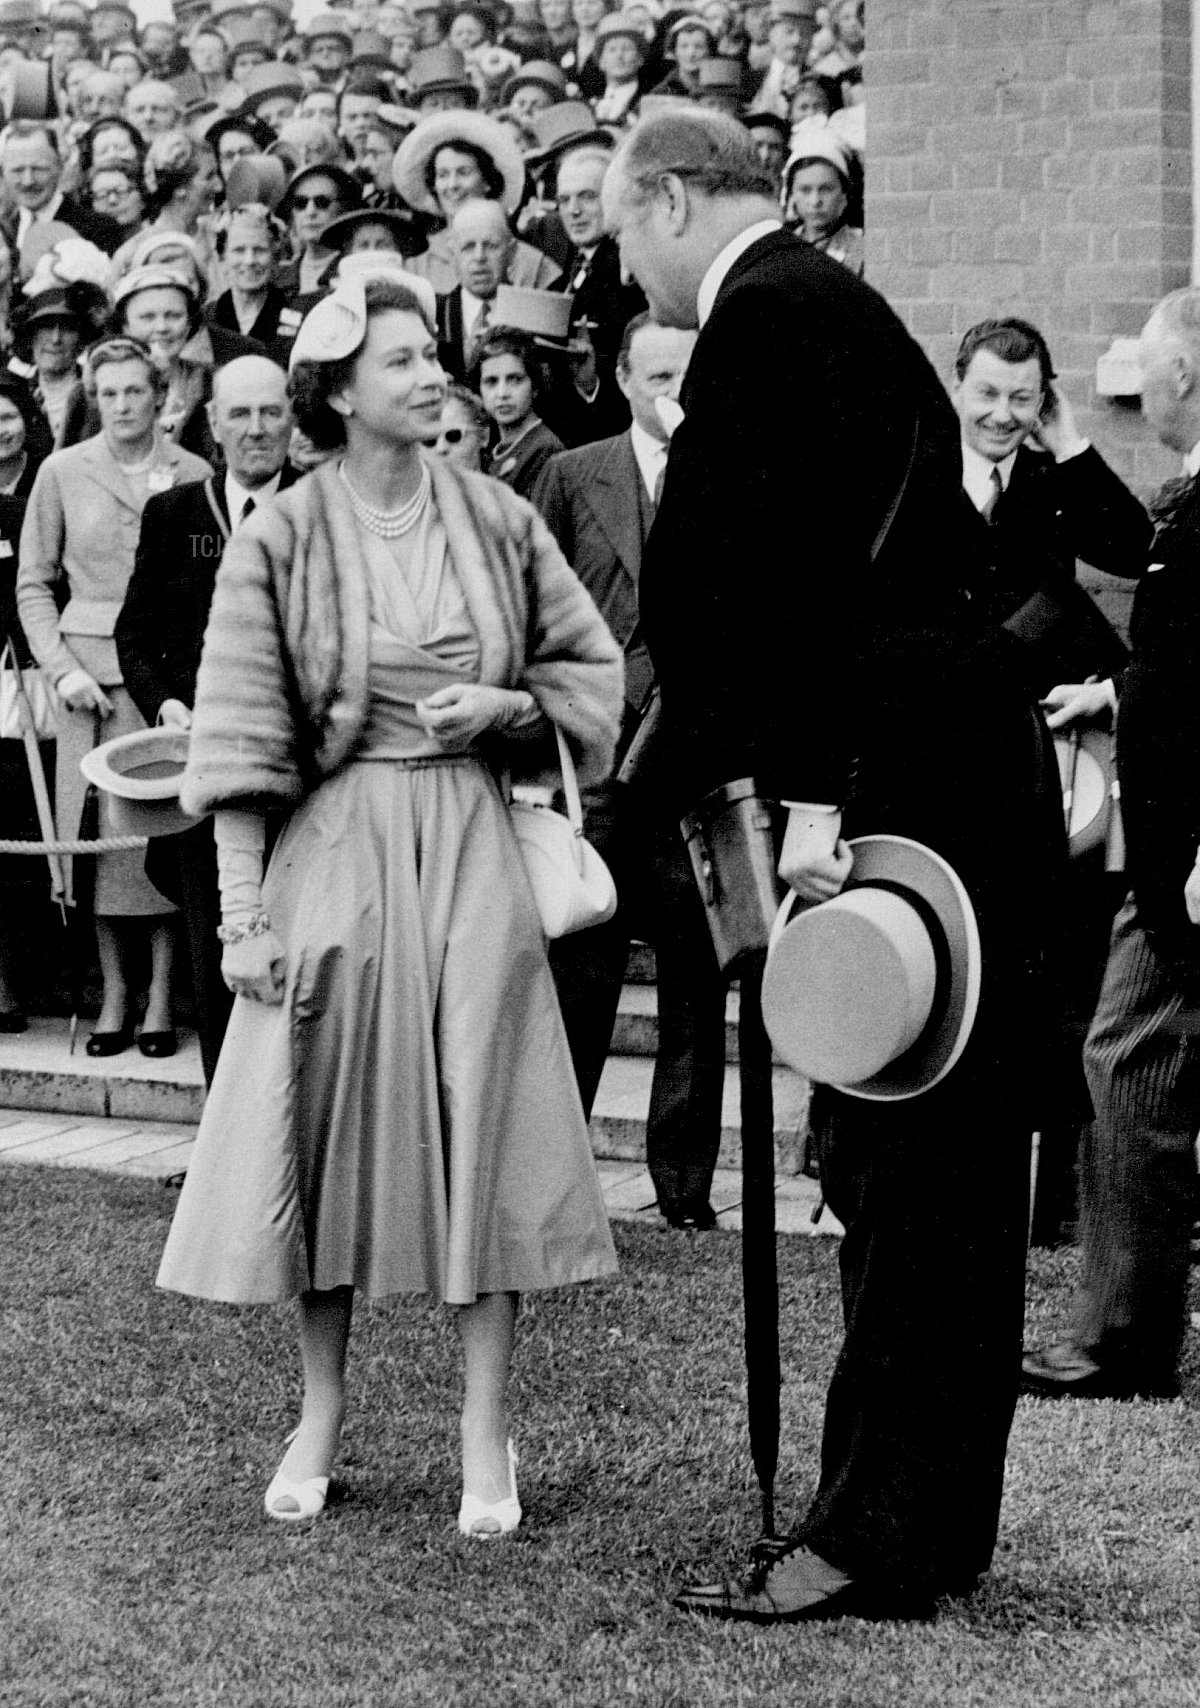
{"type": "Point", "coordinates": [97, 228]}
{"type": "Point", "coordinates": [763, 611]}
{"type": "Point", "coordinates": [275, 327]}
{"type": "Point", "coordinates": [160, 630]}
{"type": "Point", "coordinates": [595, 503]}
{"type": "Point", "coordinates": [451, 353]}
{"type": "Point", "coordinates": [12, 517]}
{"type": "Point", "coordinates": [1158, 728]}
{"type": "Point", "coordinates": [1050, 515]}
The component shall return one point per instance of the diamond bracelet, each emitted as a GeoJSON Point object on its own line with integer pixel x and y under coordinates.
{"type": "Point", "coordinates": [255, 926]}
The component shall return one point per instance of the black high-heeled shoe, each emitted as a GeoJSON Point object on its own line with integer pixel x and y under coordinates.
{"type": "Point", "coordinates": [109, 1043]}
{"type": "Point", "coordinates": [159, 1043]}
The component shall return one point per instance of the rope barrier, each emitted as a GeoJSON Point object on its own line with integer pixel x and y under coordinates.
{"type": "Point", "coordinates": [105, 845]}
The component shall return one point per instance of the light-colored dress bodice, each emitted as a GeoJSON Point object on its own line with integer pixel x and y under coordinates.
{"type": "Point", "coordinates": [422, 639]}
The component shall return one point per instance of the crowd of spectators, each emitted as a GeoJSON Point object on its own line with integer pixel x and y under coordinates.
{"type": "Point", "coordinates": [195, 186]}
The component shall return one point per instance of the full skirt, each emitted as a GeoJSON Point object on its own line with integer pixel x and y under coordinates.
{"type": "Point", "coordinates": [407, 1120]}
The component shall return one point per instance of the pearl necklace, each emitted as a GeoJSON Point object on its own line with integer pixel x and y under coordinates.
{"type": "Point", "coordinates": [389, 524]}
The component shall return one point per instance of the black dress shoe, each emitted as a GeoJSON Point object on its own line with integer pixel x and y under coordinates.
{"type": "Point", "coordinates": [691, 1217]}
{"type": "Point", "coordinates": [109, 1043]}
{"type": "Point", "coordinates": [1066, 1372]}
{"type": "Point", "coordinates": [158, 1043]}
{"type": "Point", "coordinates": [797, 1588]}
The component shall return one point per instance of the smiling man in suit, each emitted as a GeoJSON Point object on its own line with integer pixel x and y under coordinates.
{"type": "Point", "coordinates": [827, 664]}
{"type": "Point", "coordinates": [600, 501]}
{"type": "Point", "coordinates": [160, 631]}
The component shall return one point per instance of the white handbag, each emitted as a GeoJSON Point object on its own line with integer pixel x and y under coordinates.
{"type": "Point", "coordinates": [40, 700]}
{"type": "Point", "coordinates": [571, 885]}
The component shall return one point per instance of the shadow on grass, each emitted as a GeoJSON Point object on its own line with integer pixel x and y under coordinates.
{"type": "Point", "coordinates": [140, 1430]}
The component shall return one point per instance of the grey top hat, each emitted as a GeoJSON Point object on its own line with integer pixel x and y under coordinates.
{"type": "Point", "coordinates": [141, 773]}
{"type": "Point", "coordinates": [875, 992]}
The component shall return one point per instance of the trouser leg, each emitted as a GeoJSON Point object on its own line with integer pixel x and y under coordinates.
{"type": "Point", "coordinates": [934, 1203]}
{"type": "Point", "coordinates": [683, 1132]}
{"type": "Point", "coordinates": [1137, 1180]}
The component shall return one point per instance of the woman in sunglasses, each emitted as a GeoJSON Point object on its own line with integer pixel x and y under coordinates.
{"type": "Point", "coordinates": [394, 1109]}
{"type": "Point", "coordinates": [463, 431]}
{"type": "Point", "coordinates": [314, 197]}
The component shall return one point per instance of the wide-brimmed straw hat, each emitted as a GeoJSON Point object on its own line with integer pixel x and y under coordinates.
{"type": "Point", "coordinates": [141, 773]}
{"type": "Point", "coordinates": [875, 992]}
{"type": "Point", "coordinates": [443, 130]}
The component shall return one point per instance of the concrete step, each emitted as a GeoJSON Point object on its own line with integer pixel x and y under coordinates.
{"type": "Point", "coordinates": [39, 1073]}
{"type": "Point", "coordinates": [622, 1102]}
{"type": "Point", "coordinates": [635, 1031]}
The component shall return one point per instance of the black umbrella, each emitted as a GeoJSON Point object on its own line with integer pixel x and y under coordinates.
{"type": "Point", "coordinates": [760, 1282]}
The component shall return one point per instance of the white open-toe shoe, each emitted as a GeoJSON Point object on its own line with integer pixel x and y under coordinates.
{"type": "Point", "coordinates": [506, 1513]}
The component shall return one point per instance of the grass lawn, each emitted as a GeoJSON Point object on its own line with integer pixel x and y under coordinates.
{"type": "Point", "coordinates": [140, 1429]}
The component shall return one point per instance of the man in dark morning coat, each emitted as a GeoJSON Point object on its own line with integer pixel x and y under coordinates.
{"type": "Point", "coordinates": [861, 695]}
{"type": "Point", "coordinates": [160, 632]}
{"type": "Point", "coordinates": [1050, 499]}
{"type": "Point", "coordinates": [1138, 1190]}
{"type": "Point", "coordinates": [599, 501]}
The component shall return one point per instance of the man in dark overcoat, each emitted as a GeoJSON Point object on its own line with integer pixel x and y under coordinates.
{"type": "Point", "coordinates": [844, 672]}
{"type": "Point", "coordinates": [160, 633]}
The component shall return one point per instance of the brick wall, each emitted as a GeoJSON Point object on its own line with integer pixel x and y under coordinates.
{"type": "Point", "coordinates": [1033, 157]}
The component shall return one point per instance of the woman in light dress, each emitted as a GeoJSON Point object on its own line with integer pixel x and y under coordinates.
{"type": "Point", "coordinates": [394, 1108]}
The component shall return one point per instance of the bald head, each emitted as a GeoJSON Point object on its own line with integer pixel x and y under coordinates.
{"type": "Point", "coordinates": [482, 245]}
{"type": "Point", "coordinates": [683, 185]}
{"type": "Point", "coordinates": [1169, 353]}
{"type": "Point", "coordinates": [251, 418]}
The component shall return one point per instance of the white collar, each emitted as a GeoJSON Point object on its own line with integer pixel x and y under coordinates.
{"type": "Point", "coordinates": [236, 494]}
{"type": "Point", "coordinates": [977, 474]}
{"type": "Point", "coordinates": [712, 281]}
{"type": "Point", "coordinates": [472, 307]}
{"type": "Point", "coordinates": [649, 453]}
{"type": "Point", "coordinates": [1191, 462]}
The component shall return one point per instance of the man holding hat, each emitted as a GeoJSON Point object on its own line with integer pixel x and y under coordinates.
{"type": "Point", "coordinates": [31, 167]}
{"type": "Point", "coordinates": [831, 680]}
{"type": "Point", "coordinates": [160, 631]}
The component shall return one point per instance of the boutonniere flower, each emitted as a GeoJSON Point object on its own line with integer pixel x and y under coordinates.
{"type": "Point", "coordinates": [161, 479]}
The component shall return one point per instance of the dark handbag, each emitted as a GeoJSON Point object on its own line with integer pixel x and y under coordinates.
{"type": "Point", "coordinates": [732, 842]}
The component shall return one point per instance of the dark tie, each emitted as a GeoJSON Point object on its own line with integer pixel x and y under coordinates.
{"type": "Point", "coordinates": [480, 331]}
{"type": "Point", "coordinates": [994, 496]}
{"type": "Point", "coordinates": [247, 507]}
